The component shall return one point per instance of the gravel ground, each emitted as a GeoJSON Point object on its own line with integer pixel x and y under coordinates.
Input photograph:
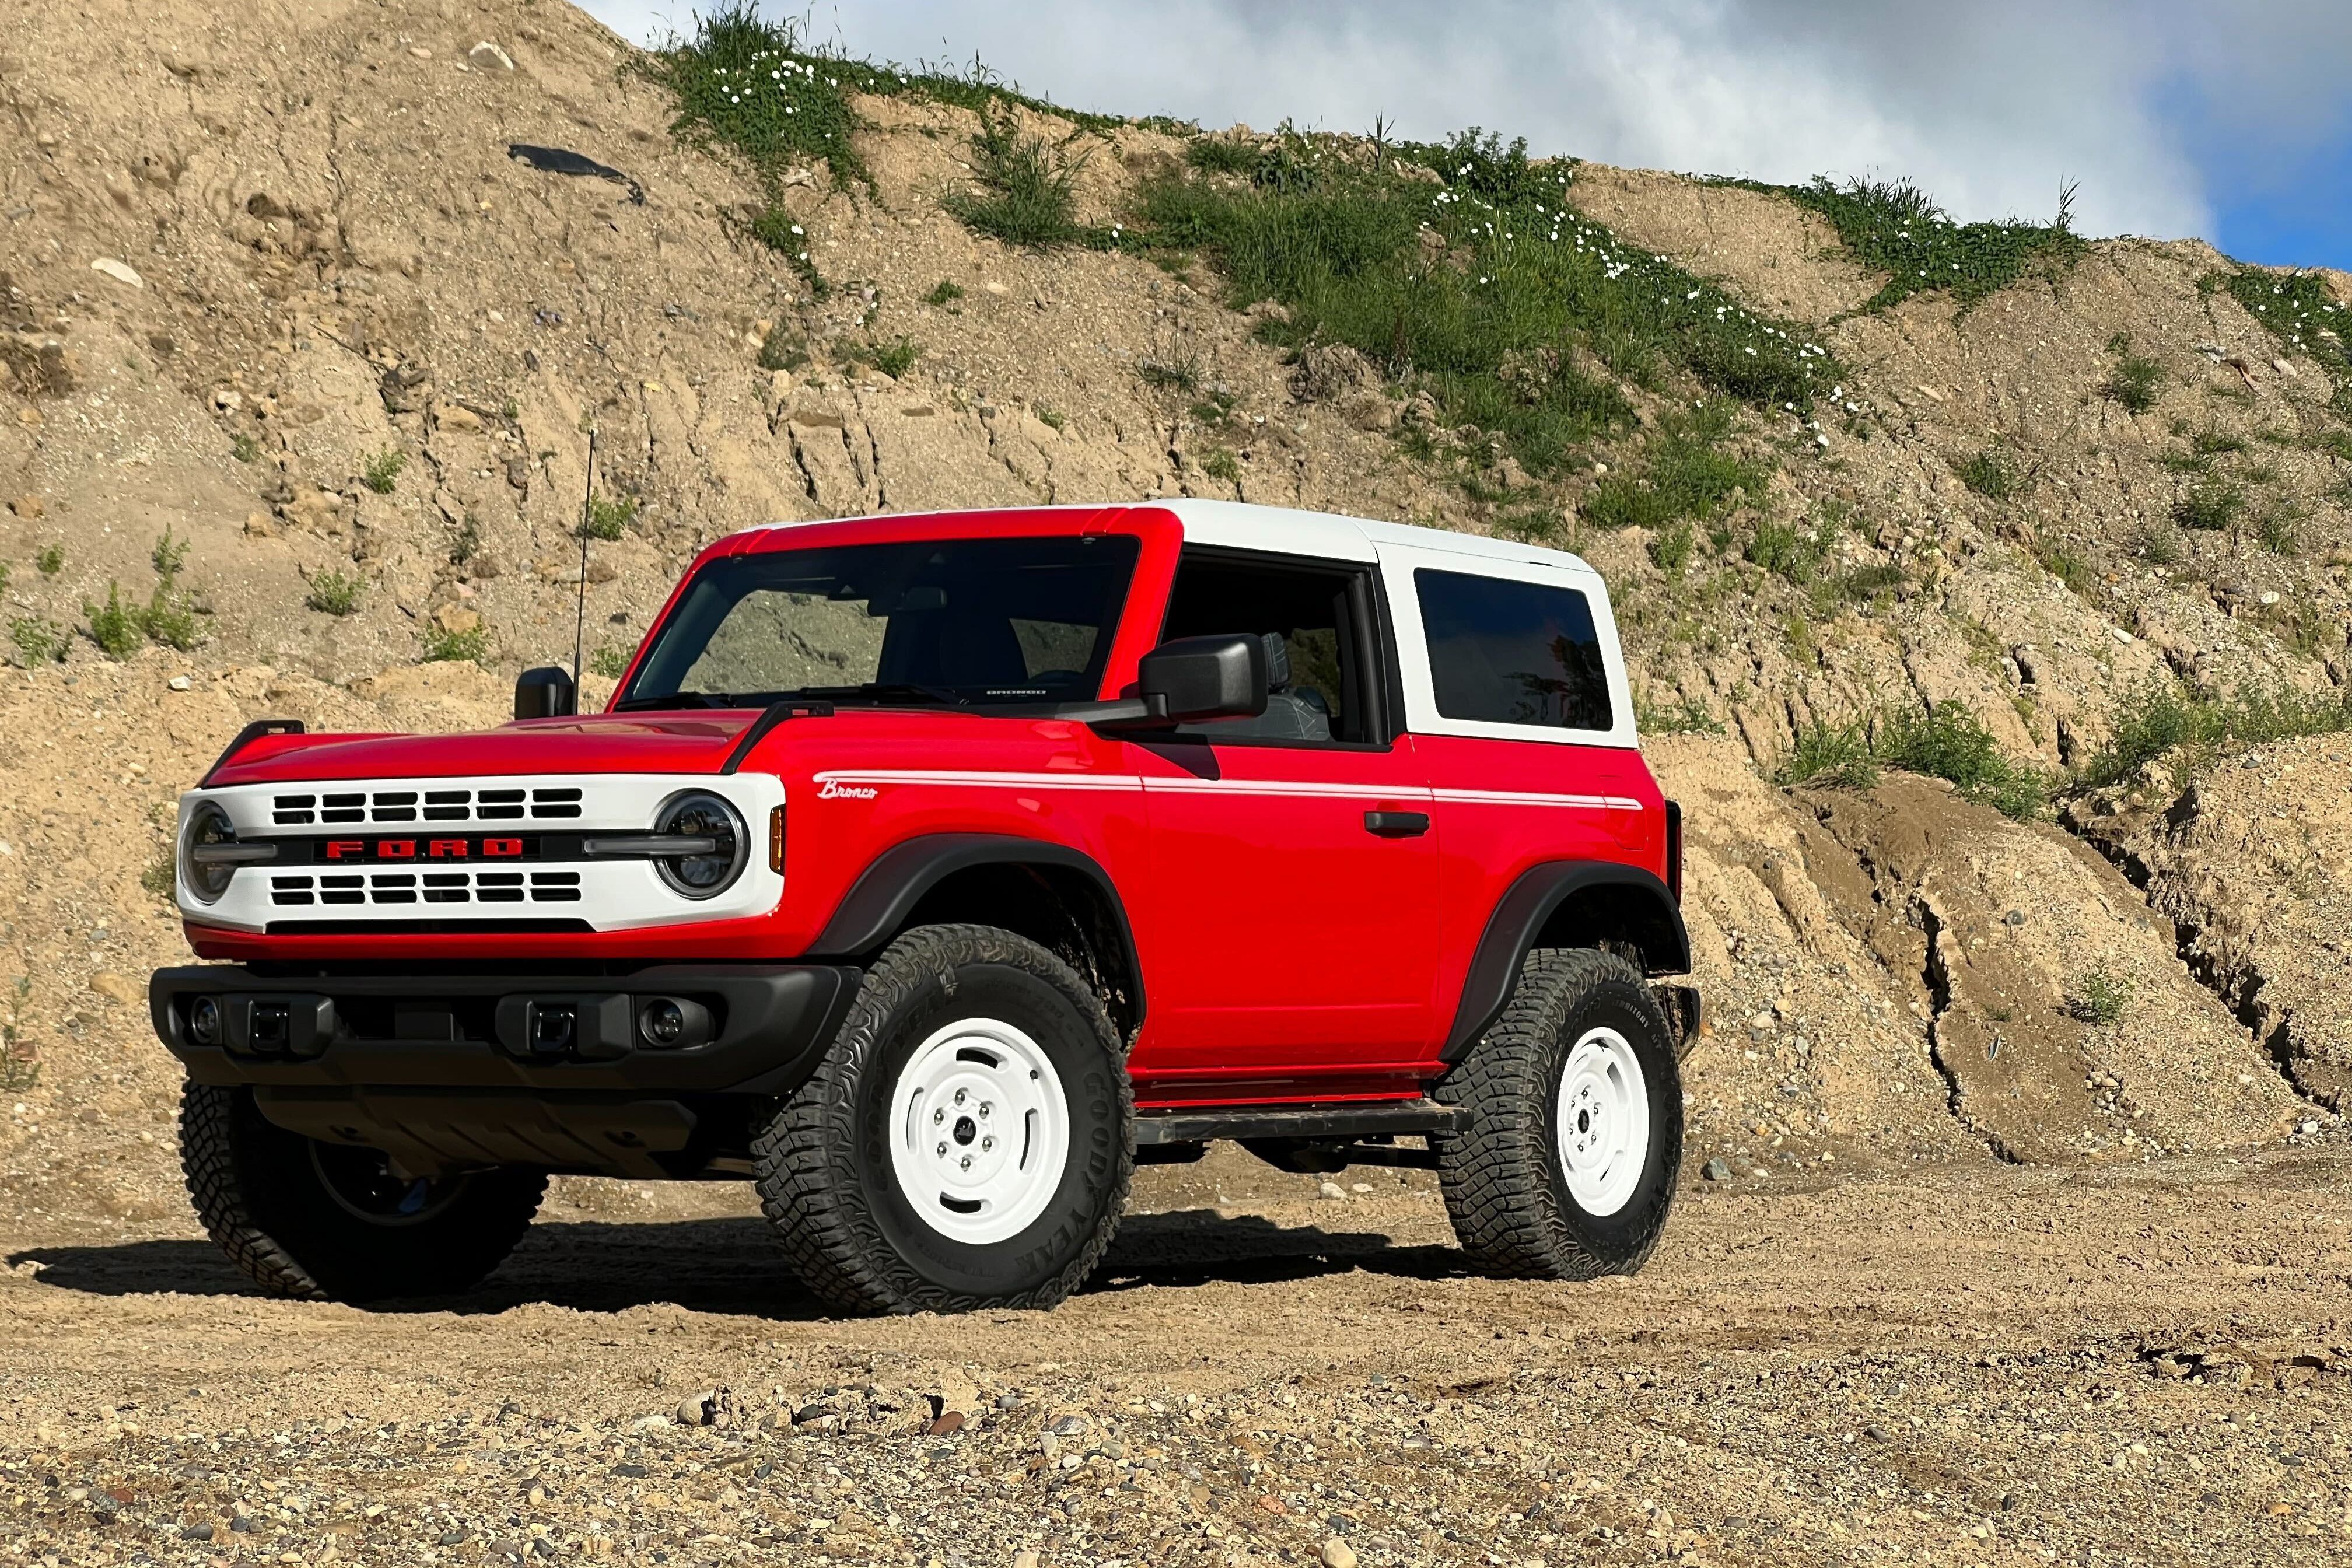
{"type": "Point", "coordinates": [1973, 1365]}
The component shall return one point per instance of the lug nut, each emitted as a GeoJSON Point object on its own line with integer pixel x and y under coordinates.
{"type": "Point", "coordinates": [943, 1150]}
{"type": "Point", "coordinates": [938, 1115]}
{"type": "Point", "coordinates": [986, 1144]}
{"type": "Point", "coordinates": [965, 1163]}
{"type": "Point", "coordinates": [959, 1097]}
{"type": "Point", "coordinates": [986, 1107]}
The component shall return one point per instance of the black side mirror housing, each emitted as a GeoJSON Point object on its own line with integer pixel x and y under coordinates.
{"type": "Point", "coordinates": [546, 692]}
{"type": "Point", "coordinates": [1192, 679]}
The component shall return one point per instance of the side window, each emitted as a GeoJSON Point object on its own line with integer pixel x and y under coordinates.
{"type": "Point", "coordinates": [1319, 615]}
{"type": "Point", "coordinates": [1508, 652]}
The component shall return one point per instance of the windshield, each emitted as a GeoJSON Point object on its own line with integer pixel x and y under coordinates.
{"type": "Point", "coordinates": [954, 623]}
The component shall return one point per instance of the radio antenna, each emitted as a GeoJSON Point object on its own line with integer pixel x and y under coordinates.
{"type": "Point", "coordinates": [587, 510]}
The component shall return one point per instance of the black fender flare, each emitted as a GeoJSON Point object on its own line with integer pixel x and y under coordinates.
{"type": "Point", "coordinates": [889, 888]}
{"type": "Point", "coordinates": [1520, 917]}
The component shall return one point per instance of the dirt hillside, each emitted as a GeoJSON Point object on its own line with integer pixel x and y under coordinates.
{"type": "Point", "coordinates": [271, 282]}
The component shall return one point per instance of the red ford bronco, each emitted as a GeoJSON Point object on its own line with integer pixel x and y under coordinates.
{"type": "Point", "coordinates": [932, 870]}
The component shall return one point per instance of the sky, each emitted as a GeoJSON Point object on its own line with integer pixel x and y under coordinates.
{"type": "Point", "coordinates": [2227, 119]}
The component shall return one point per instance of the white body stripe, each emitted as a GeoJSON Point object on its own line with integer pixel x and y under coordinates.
{"type": "Point", "coordinates": [986, 779]}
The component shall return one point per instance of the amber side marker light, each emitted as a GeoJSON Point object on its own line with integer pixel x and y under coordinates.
{"type": "Point", "coordinates": [776, 840]}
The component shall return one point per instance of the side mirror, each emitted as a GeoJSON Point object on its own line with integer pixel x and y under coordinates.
{"type": "Point", "coordinates": [1191, 678]}
{"type": "Point", "coordinates": [546, 692]}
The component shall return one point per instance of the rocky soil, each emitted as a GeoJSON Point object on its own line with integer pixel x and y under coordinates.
{"type": "Point", "coordinates": [2014, 1225]}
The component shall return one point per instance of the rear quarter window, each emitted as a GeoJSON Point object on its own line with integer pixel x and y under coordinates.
{"type": "Point", "coordinates": [1508, 652]}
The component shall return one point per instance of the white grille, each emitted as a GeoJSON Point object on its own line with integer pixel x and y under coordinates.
{"type": "Point", "coordinates": [329, 808]}
{"type": "Point", "coordinates": [380, 888]}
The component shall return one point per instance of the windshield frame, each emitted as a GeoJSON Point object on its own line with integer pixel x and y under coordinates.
{"type": "Point", "coordinates": [1152, 535]}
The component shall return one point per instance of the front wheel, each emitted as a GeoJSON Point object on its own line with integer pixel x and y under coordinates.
{"type": "Point", "coordinates": [967, 1140]}
{"type": "Point", "coordinates": [323, 1221]}
{"type": "Point", "coordinates": [1569, 1168]}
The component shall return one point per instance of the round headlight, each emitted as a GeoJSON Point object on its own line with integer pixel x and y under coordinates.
{"type": "Point", "coordinates": [699, 815]}
{"type": "Point", "coordinates": [208, 824]}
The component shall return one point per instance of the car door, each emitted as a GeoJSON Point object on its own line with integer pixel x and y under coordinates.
{"type": "Point", "coordinates": [1294, 890]}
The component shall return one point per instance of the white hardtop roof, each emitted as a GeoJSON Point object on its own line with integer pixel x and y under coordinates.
{"type": "Point", "coordinates": [1238, 525]}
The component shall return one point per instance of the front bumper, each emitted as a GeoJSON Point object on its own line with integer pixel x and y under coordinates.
{"type": "Point", "coordinates": [447, 1071]}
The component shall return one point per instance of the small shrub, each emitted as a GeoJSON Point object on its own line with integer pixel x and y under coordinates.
{"type": "Point", "coordinates": [609, 661]}
{"type": "Point", "coordinates": [1790, 551]}
{"type": "Point", "coordinates": [466, 542]}
{"type": "Point", "coordinates": [2278, 529]}
{"type": "Point", "coordinates": [160, 878]}
{"type": "Point", "coordinates": [1894, 228]}
{"type": "Point", "coordinates": [1687, 475]}
{"type": "Point", "coordinates": [1991, 474]}
{"type": "Point", "coordinates": [1220, 156]}
{"type": "Point", "coordinates": [1830, 756]}
{"type": "Point", "coordinates": [169, 555]}
{"type": "Point", "coordinates": [1670, 550]}
{"type": "Point", "coordinates": [244, 448]}
{"type": "Point", "coordinates": [2210, 504]}
{"type": "Point", "coordinates": [2159, 543]}
{"type": "Point", "coordinates": [1222, 465]}
{"type": "Point", "coordinates": [944, 293]}
{"type": "Point", "coordinates": [119, 629]}
{"type": "Point", "coordinates": [19, 1069]}
{"type": "Point", "coordinates": [2167, 717]}
{"type": "Point", "coordinates": [383, 470]}
{"type": "Point", "coordinates": [780, 351]}
{"type": "Point", "coordinates": [1169, 375]}
{"type": "Point", "coordinates": [335, 593]}
{"type": "Point", "coordinates": [2134, 381]}
{"type": "Point", "coordinates": [1028, 194]}
{"type": "Point", "coordinates": [1949, 742]}
{"type": "Point", "coordinates": [1053, 419]}
{"type": "Point", "coordinates": [1685, 717]}
{"type": "Point", "coordinates": [442, 645]}
{"type": "Point", "coordinates": [774, 227]}
{"type": "Point", "coordinates": [1869, 584]}
{"type": "Point", "coordinates": [2099, 998]}
{"type": "Point", "coordinates": [609, 517]}
{"type": "Point", "coordinates": [50, 559]}
{"type": "Point", "coordinates": [169, 619]}
{"type": "Point", "coordinates": [896, 359]}
{"type": "Point", "coordinates": [2209, 442]}
{"type": "Point", "coordinates": [2064, 564]}
{"type": "Point", "coordinates": [40, 642]}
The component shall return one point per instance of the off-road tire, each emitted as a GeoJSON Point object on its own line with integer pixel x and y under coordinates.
{"type": "Point", "coordinates": [1504, 1180]}
{"type": "Point", "coordinates": [263, 1194]}
{"type": "Point", "coordinates": [825, 1175]}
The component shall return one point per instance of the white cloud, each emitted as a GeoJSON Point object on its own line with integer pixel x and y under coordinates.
{"type": "Point", "coordinates": [1987, 104]}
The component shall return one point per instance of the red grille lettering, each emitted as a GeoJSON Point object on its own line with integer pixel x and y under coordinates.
{"type": "Point", "coordinates": [395, 849]}
{"type": "Point", "coordinates": [446, 849]}
{"type": "Point", "coordinates": [502, 848]}
{"type": "Point", "coordinates": [346, 849]}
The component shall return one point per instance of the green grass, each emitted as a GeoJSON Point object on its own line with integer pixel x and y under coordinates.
{"type": "Point", "coordinates": [2135, 379]}
{"type": "Point", "coordinates": [383, 470]}
{"type": "Point", "coordinates": [2279, 529]}
{"type": "Point", "coordinates": [2159, 543]}
{"type": "Point", "coordinates": [1946, 742]}
{"type": "Point", "coordinates": [1894, 228]}
{"type": "Point", "coordinates": [782, 351]}
{"type": "Point", "coordinates": [1027, 191]}
{"type": "Point", "coordinates": [1221, 155]}
{"type": "Point", "coordinates": [335, 593]}
{"type": "Point", "coordinates": [2202, 725]}
{"type": "Point", "coordinates": [897, 358]}
{"type": "Point", "coordinates": [1792, 551]}
{"type": "Point", "coordinates": [744, 82]}
{"type": "Point", "coordinates": [774, 227]}
{"type": "Point", "coordinates": [244, 448]}
{"type": "Point", "coordinates": [1992, 474]}
{"type": "Point", "coordinates": [2302, 315]}
{"type": "Point", "coordinates": [1052, 418]}
{"type": "Point", "coordinates": [611, 661]}
{"type": "Point", "coordinates": [2208, 443]}
{"type": "Point", "coordinates": [1829, 756]}
{"type": "Point", "coordinates": [442, 645]}
{"type": "Point", "coordinates": [38, 641]}
{"type": "Point", "coordinates": [1517, 324]}
{"type": "Point", "coordinates": [50, 559]}
{"type": "Point", "coordinates": [1685, 474]}
{"type": "Point", "coordinates": [1670, 549]}
{"type": "Point", "coordinates": [1685, 717]}
{"type": "Point", "coordinates": [2064, 564]}
{"type": "Point", "coordinates": [1222, 465]}
{"type": "Point", "coordinates": [944, 293]}
{"type": "Point", "coordinates": [2210, 504]}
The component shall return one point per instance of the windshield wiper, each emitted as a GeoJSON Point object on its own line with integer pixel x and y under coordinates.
{"type": "Point", "coordinates": [676, 699]}
{"type": "Point", "coordinates": [886, 691]}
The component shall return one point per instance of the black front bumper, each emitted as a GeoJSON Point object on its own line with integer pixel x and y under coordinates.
{"type": "Point", "coordinates": [450, 1071]}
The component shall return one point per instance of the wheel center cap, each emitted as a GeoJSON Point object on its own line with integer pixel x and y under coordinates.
{"type": "Point", "coordinates": [1584, 1121]}
{"type": "Point", "coordinates": [966, 1130]}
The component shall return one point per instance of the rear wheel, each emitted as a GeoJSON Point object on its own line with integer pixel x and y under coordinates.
{"type": "Point", "coordinates": [323, 1221]}
{"type": "Point", "coordinates": [1569, 1168]}
{"type": "Point", "coordinates": [967, 1140]}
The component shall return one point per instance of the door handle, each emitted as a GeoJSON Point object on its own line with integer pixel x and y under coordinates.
{"type": "Point", "coordinates": [1397, 824]}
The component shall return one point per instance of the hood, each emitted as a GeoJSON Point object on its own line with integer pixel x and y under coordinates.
{"type": "Point", "coordinates": [605, 743]}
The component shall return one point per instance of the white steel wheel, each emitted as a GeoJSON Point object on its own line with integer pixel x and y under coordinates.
{"type": "Point", "coordinates": [1602, 1122]}
{"type": "Point", "coordinates": [979, 1131]}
